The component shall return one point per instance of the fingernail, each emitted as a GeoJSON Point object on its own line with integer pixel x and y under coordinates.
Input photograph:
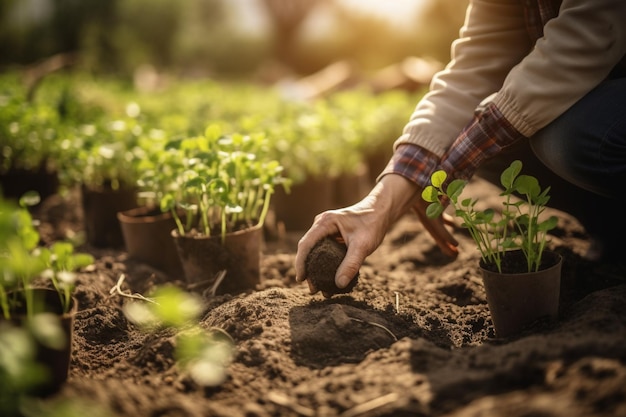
{"type": "Point", "coordinates": [343, 281]}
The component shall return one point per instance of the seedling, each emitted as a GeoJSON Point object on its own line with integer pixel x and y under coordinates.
{"type": "Point", "coordinates": [102, 154]}
{"type": "Point", "coordinates": [61, 263]}
{"type": "Point", "coordinates": [222, 182]}
{"type": "Point", "coordinates": [517, 226]}
{"type": "Point", "coordinates": [22, 260]}
{"type": "Point", "coordinates": [18, 264]}
{"type": "Point", "coordinates": [205, 355]}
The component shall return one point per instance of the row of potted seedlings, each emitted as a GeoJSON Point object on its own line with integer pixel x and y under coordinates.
{"type": "Point", "coordinates": [84, 136]}
{"type": "Point", "coordinates": [212, 189]}
{"type": "Point", "coordinates": [205, 202]}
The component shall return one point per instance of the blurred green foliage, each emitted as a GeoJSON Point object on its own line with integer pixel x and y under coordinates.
{"type": "Point", "coordinates": [101, 130]}
{"type": "Point", "coordinates": [204, 353]}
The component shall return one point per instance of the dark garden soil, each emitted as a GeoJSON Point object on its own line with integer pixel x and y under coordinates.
{"type": "Point", "coordinates": [414, 338]}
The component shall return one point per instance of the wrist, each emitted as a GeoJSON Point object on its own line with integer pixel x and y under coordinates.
{"type": "Point", "coordinates": [393, 196]}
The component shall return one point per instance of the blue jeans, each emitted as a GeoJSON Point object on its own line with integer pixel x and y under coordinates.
{"type": "Point", "coordinates": [587, 144]}
{"type": "Point", "coordinates": [582, 156]}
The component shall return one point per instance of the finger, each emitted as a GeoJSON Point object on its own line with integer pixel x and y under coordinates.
{"type": "Point", "coordinates": [449, 220]}
{"type": "Point", "coordinates": [446, 242]}
{"type": "Point", "coordinates": [305, 245]}
{"type": "Point", "coordinates": [350, 265]}
{"type": "Point", "coordinates": [437, 229]}
{"type": "Point", "coordinates": [448, 248]}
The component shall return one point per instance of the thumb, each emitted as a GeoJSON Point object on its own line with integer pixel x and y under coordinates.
{"type": "Point", "coordinates": [349, 268]}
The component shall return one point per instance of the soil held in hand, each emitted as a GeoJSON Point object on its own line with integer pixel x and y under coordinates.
{"type": "Point", "coordinates": [322, 263]}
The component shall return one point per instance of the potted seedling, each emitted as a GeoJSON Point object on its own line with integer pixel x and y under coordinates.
{"type": "Point", "coordinates": [102, 158]}
{"type": "Point", "coordinates": [521, 277]}
{"type": "Point", "coordinates": [147, 229]}
{"type": "Point", "coordinates": [317, 144]}
{"type": "Point", "coordinates": [47, 313]}
{"type": "Point", "coordinates": [223, 187]}
{"type": "Point", "coordinates": [29, 134]}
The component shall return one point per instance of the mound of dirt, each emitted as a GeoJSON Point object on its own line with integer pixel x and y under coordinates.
{"type": "Point", "coordinates": [414, 338]}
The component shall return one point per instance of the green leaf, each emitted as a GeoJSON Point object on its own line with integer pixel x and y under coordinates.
{"type": "Point", "coordinates": [548, 224]}
{"type": "Point", "coordinates": [194, 182]}
{"type": "Point", "coordinates": [176, 307]}
{"type": "Point", "coordinates": [509, 244]}
{"type": "Point", "coordinates": [543, 198]}
{"type": "Point", "coordinates": [455, 189]}
{"type": "Point", "coordinates": [30, 198]}
{"type": "Point", "coordinates": [62, 250]}
{"type": "Point", "coordinates": [524, 220]}
{"type": "Point", "coordinates": [430, 194]}
{"type": "Point", "coordinates": [168, 202]}
{"type": "Point", "coordinates": [485, 216]}
{"type": "Point", "coordinates": [81, 260]}
{"type": "Point", "coordinates": [213, 132]}
{"type": "Point", "coordinates": [508, 175]}
{"type": "Point", "coordinates": [173, 144]}
{"type": "Point", "coordinates": [527, 185]}
{"type": "Point", "coordinates": [434, 210]}
{"type": "Point", "coordinates": [438, 178]}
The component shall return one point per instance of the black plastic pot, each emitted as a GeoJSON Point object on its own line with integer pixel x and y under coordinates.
{"type": "Point", "coordinates": [517, 300]}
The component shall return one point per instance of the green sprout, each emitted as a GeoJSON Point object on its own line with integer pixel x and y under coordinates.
{"type": "Point", "coordinates": [222, 182]}
{"type": "Point", "coordinates": [61, 264]}
{"type": "Point", "coordinates": [204, 354]}
{"type": "Point", "coordinates": [22, 260]}
{"type": "Point", "coordinates": [18, 265]}
{"type": "Point", "coordinates": [518, 226]}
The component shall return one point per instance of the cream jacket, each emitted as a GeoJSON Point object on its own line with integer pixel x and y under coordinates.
{"type": "Point", "coordinates": [531, 83]}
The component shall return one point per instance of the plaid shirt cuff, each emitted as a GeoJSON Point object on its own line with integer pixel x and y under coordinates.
{"type": "Point", "coordinates": [483, 138]}
{"type": "Point", "coordinates": [412, 162]}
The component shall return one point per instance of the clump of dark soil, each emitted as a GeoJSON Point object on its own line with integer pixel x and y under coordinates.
{"type": "Point", "coordinates": [322, 263]}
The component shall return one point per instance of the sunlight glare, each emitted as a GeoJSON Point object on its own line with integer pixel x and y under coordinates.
{"type": "Point", "coordinates": [394, 9]}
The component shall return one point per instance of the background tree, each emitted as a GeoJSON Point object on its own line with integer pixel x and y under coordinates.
{"type": "Point", "coordinates": [287, 17]}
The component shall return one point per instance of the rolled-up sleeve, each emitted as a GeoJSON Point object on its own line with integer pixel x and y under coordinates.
{"type": "Point", "coordinates": [579, 49]}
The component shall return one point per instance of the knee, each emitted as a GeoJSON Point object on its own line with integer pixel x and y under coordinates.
{"type": "Point", "coordinates": [553, 147]}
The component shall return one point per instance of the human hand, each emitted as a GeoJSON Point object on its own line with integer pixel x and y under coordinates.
{"type": "Point", "coordinates": [360, 227]}
{"type": "Point", "coordinates": [363, 226]}
{"type": "Point", "coordinates": [437, 228]}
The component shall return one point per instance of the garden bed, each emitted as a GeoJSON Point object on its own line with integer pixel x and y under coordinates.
{"type": "Point", "coordinates": [413, 338]}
